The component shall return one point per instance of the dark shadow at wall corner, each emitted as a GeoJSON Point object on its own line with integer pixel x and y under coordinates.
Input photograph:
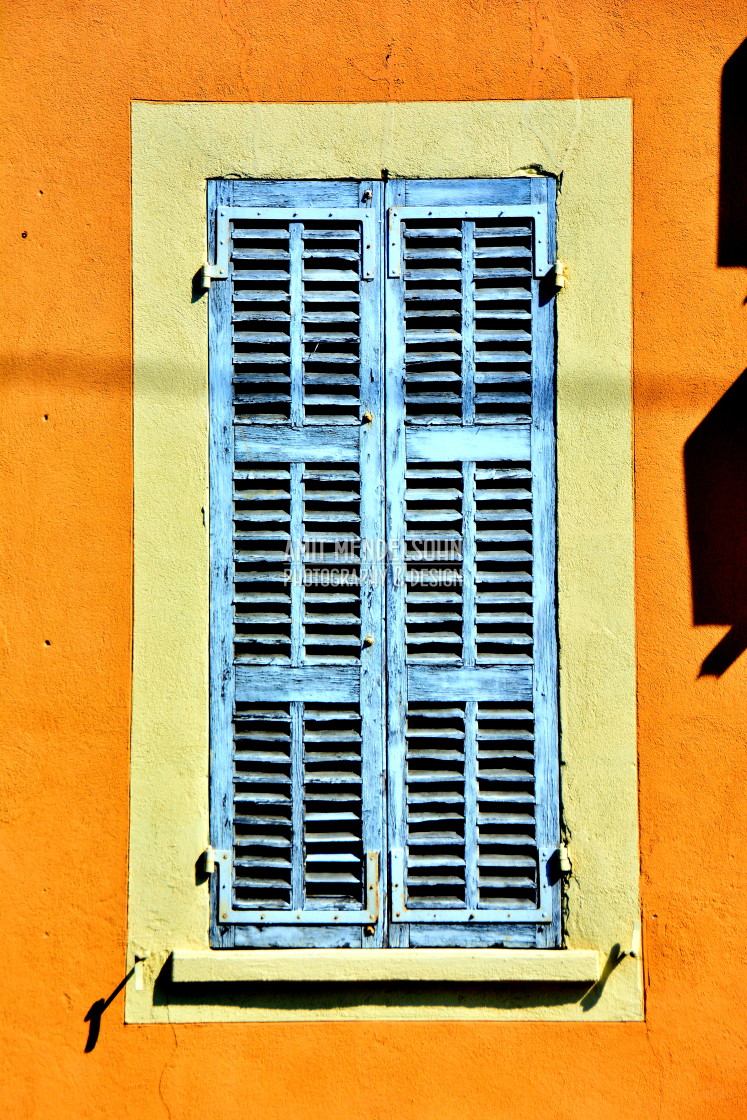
{"type": "Point", "coordinates": [716, 493]}
{"type": "Point", "coordinates": [97, 1009]}
{"type": "Point", "coordinates": [732, 211]}
{"type": "Point", "coordinates": [594, 994]}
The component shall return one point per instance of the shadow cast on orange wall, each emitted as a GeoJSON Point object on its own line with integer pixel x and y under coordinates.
{"type": "Point", "coordinates": [97, 1009]}
{"type": "Point", "coordinates": [716, 487]}
{"type": "Point", "coordinates": [716, 452]}
{"type": "Point", "coordinates": [732, 202]}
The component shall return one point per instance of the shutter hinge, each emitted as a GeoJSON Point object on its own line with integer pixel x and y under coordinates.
{"type": "Point", "coordinates": [560, 274]}
{"type": "Point", "coordinates": [212, 272]}
{"type": "Point", "coordinates": [564, 860]}
{"type": "Point", "coordinates": [211, 857]}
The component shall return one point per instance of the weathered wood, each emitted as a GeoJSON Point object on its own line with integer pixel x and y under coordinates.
{"type": "Point", "coordinates": [509, 442]}
{"type": "Point", "coordinates": [300, 650]}
{"type": "Point", "coordinates": [477, 638]}
{"type": "Point", "coordinates": [468, 323]}
{"type": "Point", "coordinates": [513, 683]}
{"type": "Point", "coordinates": [257, 443]}
{"type": "Point", "coordinates": [398, 932]}
{"type": "Point", "coordinates": [221, 556]}
{"type": "Point", "coordinates": [547, 764]}
{"type": "Point", "coordinates": [459, 811]}
{"type": "Point", "coordinates": [465, 192]}
{"type": "Point", "coordinates": [296, 329]}
{"type": "Point", "coordinates": [296, 193]}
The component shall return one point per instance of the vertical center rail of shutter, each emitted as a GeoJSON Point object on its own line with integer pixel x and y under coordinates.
{"type": "Point", "coordinates": [295, 248]}
{"type": "Point", "coordinates": [468, 322]}
{"type": "Point", "coordinates": [296, 568]}
{"type": "Point", "coordinates": [469, 647]}
{"type": "Point", "coordinates": [297, 806]}
{"type": "Point", "coordinates": [470, 805]}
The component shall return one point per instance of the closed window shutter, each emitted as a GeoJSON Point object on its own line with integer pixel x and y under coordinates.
{"type": "Point", "coordinates": [296, 658]}
{"type": "Point", "coordinates": [472, 723]}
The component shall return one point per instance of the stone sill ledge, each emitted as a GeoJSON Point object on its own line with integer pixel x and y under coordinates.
{"type": "Point", "coordinates": [540, 966]}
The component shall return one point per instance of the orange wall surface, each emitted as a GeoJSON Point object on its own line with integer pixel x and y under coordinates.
{"type": "Point", "coordinates": [71, 70]}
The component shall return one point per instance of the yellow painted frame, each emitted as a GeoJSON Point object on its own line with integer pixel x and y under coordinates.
{"type": "Point", "coordinates": [175, 148]}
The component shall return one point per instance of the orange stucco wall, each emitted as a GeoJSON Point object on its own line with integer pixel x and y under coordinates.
{"type": "Point", "coordinates": [72, 67]}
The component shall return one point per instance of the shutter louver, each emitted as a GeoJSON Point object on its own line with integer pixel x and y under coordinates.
{"type": "Point", "coordinates": [296, 727]}
{"type": "Point", "coordinates": [470, 494]}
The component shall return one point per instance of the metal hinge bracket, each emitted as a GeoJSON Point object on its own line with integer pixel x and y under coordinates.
{"type": "Point", "coordinates": [401, 912]}
{"type": "Point", "coordinates": [363, 214]}
{"type": "Point", "coordinates": [217, 859]}
{"type": "Point", "coordinates": [536, 214]}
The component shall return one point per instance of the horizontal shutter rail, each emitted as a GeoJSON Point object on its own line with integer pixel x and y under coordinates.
{"type": "Point", "coordinates": [469, 443]}
{"type": "Point", "coordinates": [295, 445]}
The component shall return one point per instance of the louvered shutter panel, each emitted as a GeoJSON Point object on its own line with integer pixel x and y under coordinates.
{"type": "Point", "coordinates": [296, 656]}
{"type": "Point", "coordinates": [472, 723]}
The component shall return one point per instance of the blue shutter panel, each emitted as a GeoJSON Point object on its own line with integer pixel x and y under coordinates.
{"type": "Point", "coordinates": [297, 490]}
{"type": "Point", "coordinates": [296, 656]}
{"type": "Point", "coordinates": [472, 703]}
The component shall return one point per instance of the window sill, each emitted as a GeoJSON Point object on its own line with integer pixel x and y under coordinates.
{"type": "Point", "coordinates": [569, 966]}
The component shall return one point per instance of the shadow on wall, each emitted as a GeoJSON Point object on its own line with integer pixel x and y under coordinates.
{"type": "Point", "coordinates": [97, 1009]}
{"type": "Point", "coordinates": [716, 452]}
{"type": "Point", "coordinates": [732, 210]}
{"type": "Point", "coordinates": [716, 488]}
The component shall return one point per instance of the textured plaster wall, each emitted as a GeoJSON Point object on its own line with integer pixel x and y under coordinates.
{"type": "Point", "coordinates": [71, 71]}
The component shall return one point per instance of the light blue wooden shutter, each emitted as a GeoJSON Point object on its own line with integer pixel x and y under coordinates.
{"type": "Point", "coordinates": [472, 725]}
{"type": "Point", "coordinates": [296, 654]}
